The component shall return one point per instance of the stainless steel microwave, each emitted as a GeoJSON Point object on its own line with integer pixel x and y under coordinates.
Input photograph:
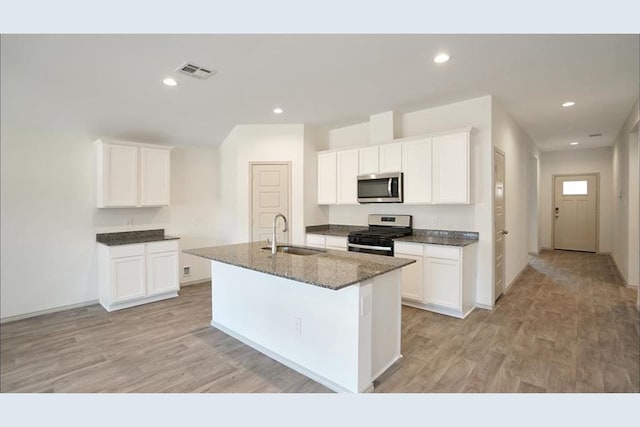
{"type": "Point", "coordinates": [380, 188]}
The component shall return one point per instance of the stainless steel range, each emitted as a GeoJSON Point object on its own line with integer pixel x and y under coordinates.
{"type": "Point", "coordinates": [378, 239]}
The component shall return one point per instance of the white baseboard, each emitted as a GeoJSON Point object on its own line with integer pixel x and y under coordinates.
{"type": "Point", "coordinates": [484, 306]}
{"type": "Point", "coordinates": [515, 279]}
{"type": "Point", "coordinates": [47, 311]}
{"type": "Point", "coordinates": [194, 282]}
{"type": "Point", "coordinates": [287, 362]}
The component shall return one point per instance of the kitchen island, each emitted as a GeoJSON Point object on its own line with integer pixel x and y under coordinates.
{"type": "Point", "coordinates": [333, 316]}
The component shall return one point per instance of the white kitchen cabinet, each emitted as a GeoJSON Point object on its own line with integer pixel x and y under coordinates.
{"type": "Point", "coordinates": [316, 241]}
{"type": "Point", "coordinates": [390, 158]}
{"type": "Point", "coordinates": [336, 243]}
{"type": "Point", "coordinates": [131, 275]}
{"type": "Point", "coordinates": [450, 172]}
{"type": "Point", "coordinates": [347, 177]}
{"type": "Point", "coordinates": [412, 275]}
{"type": "Point", "coordinates": [131, 174]}
{"type": "Point", "coordinates": [155, 176]}
{"type": "Point", "coordinates": [327, 178]}
{"type": "Point", "coordinates": [368, 160]}
{"type": "Point", "coordinates": [416, 166]}
{"type": "Point", "coordinates": [443, 282]}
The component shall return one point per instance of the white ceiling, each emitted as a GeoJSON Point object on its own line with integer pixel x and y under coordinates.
{"type": "Point", "coordinates": [110, 85]}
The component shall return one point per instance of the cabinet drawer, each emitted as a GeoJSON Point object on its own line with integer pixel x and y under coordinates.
{"type": "Point", "coordinates": [339, 242]}
{"type": "Point", "coordinates": [156, 247]}
{"type": "Point", "coordinates": [315, 240]}
{"type": "Point", "coordinates": [445, 252]}
{"type": "Point", "coordinates": [126, 250]}
{"type": "Point", "coordinates": [408, 248]}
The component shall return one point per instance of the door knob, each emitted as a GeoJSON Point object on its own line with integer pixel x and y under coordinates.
{"type": "Point", "coordinates": [505, 232]}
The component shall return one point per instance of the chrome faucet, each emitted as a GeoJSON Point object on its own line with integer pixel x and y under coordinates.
{"type": "Point", "coordinates": [274, 245]}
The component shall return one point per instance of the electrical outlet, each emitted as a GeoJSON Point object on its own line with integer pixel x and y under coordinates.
{"type": "Point", "coordinates": [186, 270]}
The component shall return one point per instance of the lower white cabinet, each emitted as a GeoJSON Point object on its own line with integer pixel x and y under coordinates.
{"type": "Point", "coordinates": [412, 275]}
{"type": "Point", "coordinates": [136, 274]}
{"type": "Point", "coordinates": [441, 280]}
{"type": "Point", "coordinates": [335, 243]}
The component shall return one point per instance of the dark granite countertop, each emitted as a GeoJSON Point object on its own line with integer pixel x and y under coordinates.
{"type": "Point", "coordinates": [329, 269]}
{"type": "Point", "coordinates": [441, 237]}
{"type": "Point", "coordinates": [133, 237]}
{"type": "Point", "coordinates": [424, 236]}
{"type": "Point", "coordinates": [334, 229]}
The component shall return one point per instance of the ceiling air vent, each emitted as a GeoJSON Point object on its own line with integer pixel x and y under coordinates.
{"type": "Point", "coordinates": [190, 69]}
{"type": "Point", "coordinates": [595, 134]}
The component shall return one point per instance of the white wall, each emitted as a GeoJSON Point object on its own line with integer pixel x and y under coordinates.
{"type": "Point", "coordinates": [257, 143]}
{"type": "Point", "coordinates": [520, 186]}
{"type": "Point", "coordinates": [476, 217]}
{"type": "Point", "coordinates": [580, 161]}
{"type": "Point", "coordinates": [49, 220]}
{"type": "Point", "coordinates": [625, 203]}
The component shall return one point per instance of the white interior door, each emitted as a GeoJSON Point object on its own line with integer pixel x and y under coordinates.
{"type": "Point", "coordinates": [575, 212]}
{"type": "Point", "coordinates": [499, 215]}
{"type": "Point", "coordinates": [269, 196]}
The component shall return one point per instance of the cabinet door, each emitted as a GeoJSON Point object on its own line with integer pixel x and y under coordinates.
{"type": "Point", "coordinates": [451, 168]}
{"type": "Point", "coordinates": [119, 176]}
{"type": "Point", "coordinates": [347, 163]}
{"type": "Point", "coordinates": [316, 241]}
{"type": "Point", "coordinates": [368, 160]}
{"type": "Point", "coordinates": [390, 158]}
{"type": "Point", "coordinates": [327, 178]}
{"type": "Point", "coordinates": [155, 176]}
{"type": "Point", "coordinates": [412, 277]}
{"type": "Point", "coordinates": [416, 163]}
{"type": "Point", "coordinates": [336, 243]}
{"type": "Point", "coordinates": [127, 278]}
{"type": "Point", "coordinates": [443, 283]}
{"type": "Point", "coordinates": [162, 273]}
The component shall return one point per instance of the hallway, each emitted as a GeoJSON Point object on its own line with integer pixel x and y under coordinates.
{"type": "Point", "coordinates": [567, 325]}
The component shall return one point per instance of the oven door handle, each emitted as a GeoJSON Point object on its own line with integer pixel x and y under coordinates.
{"type": "Point", "coordinates": [389, 186]}
{"type": "Point", "coordinates": [377, 248]}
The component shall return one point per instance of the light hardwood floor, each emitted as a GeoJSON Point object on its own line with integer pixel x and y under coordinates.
{"type": "Point", "coordinates": [567, 325]}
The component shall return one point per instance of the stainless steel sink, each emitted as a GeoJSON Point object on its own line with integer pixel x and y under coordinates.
{"type": "Point", "coordinates": [296, 250]}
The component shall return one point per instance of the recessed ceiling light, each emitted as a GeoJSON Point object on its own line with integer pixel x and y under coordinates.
{"type": "Point", "coordinates": [573, 143]}
{"type": "Point", "coordinates": [170, 82]}
{"type": "Point", "coordinates": [569, 104]}
{"type": "Point", "coordinates": [440, 58]}
{"type": "Point", "coordinates": [278, 110]}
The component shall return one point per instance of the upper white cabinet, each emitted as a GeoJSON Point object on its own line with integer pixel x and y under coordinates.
{"type": "Point", "coordinates": [347, 185]}
{"type": "Point", "coordinates": [155, 175]}
{"type": "Point", "coordinates": [327, 178]}
{"type": "Point", "coordinates": [384, 158]}
{"type": "Point", "coordinates": [436, 168]}
{"type": "Point", "coordinates": [416, 159]}
{"type": "Point", "coordinates": [131, 174]}
{"type": "Point", "coordinates": [450, 175]}
{"type": "Point", "coordinates": [390, 158]}
{"type": "Point", "coordinates": [369, 159]}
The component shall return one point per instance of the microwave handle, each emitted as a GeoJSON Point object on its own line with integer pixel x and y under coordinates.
{"type": "Point", "coordinates": [389, 186]}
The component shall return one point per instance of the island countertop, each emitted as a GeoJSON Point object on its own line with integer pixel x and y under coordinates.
{"type": "Point", "coordinates": [328, 269]}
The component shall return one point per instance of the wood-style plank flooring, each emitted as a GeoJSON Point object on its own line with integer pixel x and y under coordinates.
{"type": "Point", "coordinates": [567, 325]}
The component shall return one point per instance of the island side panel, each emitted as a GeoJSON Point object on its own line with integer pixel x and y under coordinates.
{"type": "Point", "coordinates": [324, 331]}
{"type": "Point", "coordinates": [387, 319]}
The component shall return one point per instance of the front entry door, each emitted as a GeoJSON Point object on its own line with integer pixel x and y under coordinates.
{"type": "Point", "coordinates": [269, 196]}
{"type": "Point", "coordinates": [575, 212]}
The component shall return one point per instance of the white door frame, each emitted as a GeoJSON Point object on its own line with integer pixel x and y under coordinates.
{"type": "Point", "coordinates": [288, 214]}
{"type": "Point", "coordinates": [493, 223]}
{"type": "Point", "coordinates": [553, 205]}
